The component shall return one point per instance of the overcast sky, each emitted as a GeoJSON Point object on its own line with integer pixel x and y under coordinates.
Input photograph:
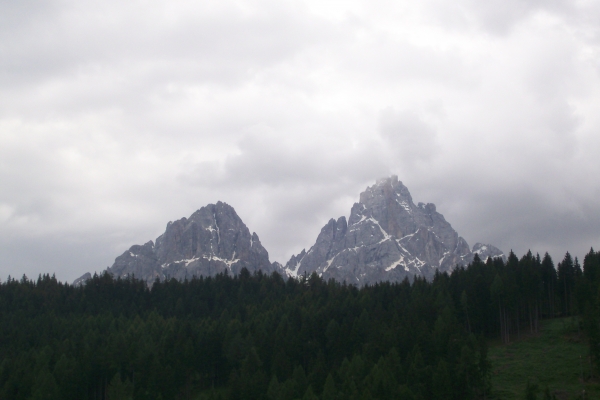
{"type": "Point", "coordinates": [117, 117]}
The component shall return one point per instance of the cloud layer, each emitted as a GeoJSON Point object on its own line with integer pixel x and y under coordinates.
{"type": "Point", "coordinates": [118, 117]}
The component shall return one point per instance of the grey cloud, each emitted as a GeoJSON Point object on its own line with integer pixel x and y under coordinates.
{"type": "Point", "coordinates": [21, 15]}
{"type": "Point", "coordinates": [66, 255]}
{"type": "Point", "coordinates": [409, 137]}
{"type": "Point", "coordinates": [522, 218]}
{"type": "Point", "coordinates": [273, 159]}
{"type": "Point", "coordinates": [223, 46]}
{"type": "Point", "coordinates": [115, 119]}
{"type": "Point", "coordinates": [496, 16]}
{"type": "Point", "coordinates": [285, 233]}
{"type": "Point", "coordinates": [501, 16]}
{"type": "Point", "coordinates": [386, 59]}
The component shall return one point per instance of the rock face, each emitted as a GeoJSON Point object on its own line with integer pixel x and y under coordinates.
{"type": "Point", "coordinates": [212, 240]}
{"type": "Point", "coordinates": [82, 279]}
{"type": "Point", "coordinates": [387, 238]}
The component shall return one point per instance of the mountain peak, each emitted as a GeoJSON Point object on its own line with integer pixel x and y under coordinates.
{"type": "Point", "coordinates": [385, 188]}
{"type": "Point", "coordinates": [212, 240]}
{"type": "Point", "coordinates": [387, 237]}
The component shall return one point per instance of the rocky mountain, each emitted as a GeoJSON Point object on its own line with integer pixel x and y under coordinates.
{"type": "Point", "coordinates": [386, 238]}
{"type": "Point", "coordinates": [212, 240]}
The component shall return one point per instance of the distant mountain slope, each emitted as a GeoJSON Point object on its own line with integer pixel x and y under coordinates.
{"type": "Point", "coordinates": [212, 240]}
{"type": "Point", "coordinates": [386, 238]}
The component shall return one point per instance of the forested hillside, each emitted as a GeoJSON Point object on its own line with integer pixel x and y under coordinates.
{"type": "Point", "coordinates": [261, 337]}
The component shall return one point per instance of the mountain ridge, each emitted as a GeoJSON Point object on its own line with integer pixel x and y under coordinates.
{"type": "Point", "coordinates": [386, 238]}
{"type": "Point", "coordinates": [212, 240]}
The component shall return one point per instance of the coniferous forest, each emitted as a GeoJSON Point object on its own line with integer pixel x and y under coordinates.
{"type": "Point", "coordinates": [262, 337]}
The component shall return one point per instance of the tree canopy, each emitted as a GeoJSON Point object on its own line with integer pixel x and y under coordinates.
{"type": "Point", "coordinates": [262, 337]}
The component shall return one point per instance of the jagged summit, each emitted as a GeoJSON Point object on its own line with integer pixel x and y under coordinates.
{"type": "Point", "coordinates": [212, 240]}
{"type": "Point", "coordinates": [386, 238]}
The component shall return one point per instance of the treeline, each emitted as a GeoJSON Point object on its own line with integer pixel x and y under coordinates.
{"type": "Point", "coordinates": [261, 337]}
{"type": "Point", "coordinates": [505, 299]}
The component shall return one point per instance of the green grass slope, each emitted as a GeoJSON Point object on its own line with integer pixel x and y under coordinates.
{"type": "Point", "coordinates": [556, 358]}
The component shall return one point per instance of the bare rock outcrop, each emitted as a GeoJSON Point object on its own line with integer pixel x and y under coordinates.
{"type": "Point", "coordinates": [386, 238]}
{"type": "Point", "coordinates": [212, 240]}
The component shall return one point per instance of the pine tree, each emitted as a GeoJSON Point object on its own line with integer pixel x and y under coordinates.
{"type": "Point", "coordinates": [566, 277]}
{"type": "Point", "coordinates": [329, 390]}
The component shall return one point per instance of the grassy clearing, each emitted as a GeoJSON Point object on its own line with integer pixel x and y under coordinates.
{"type": "Point", "coordinates": [555, 358]}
